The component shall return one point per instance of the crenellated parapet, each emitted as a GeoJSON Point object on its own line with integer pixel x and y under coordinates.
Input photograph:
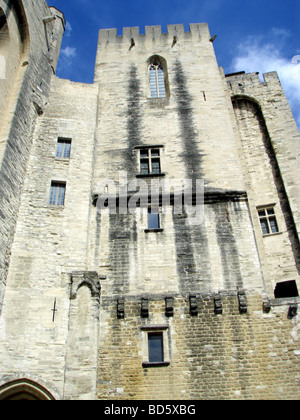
{"type": "Point", "coordinates": [175, 33]}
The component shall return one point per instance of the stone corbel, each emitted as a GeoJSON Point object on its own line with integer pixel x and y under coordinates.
{"type": "Point", "coordinates": [145, 308]}
{"type": "Point", "coordinates": [293, 309]}
{"type": "Point", "coordinates": [169, 306]}
{"type": "Point", "coordinates": [218, 305]}
{"type": "Point", "coordinates": [242, 301]}
{"type": "Point", "coordinates": [193, 305]}
{"type": "Point", "coordinates": [121, 309]}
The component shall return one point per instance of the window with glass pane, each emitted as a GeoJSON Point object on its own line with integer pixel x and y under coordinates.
{"type": "Point", "coordinates": [150, 161]}
{"type": "Point", "coordinates": [57, 194]}
{"type": "Point", "coordinates": [145, 167]}
{"type": "Point", "coordinates": [63, 149]}
{"type": "Point", "coordinates": [155, 346]}
{"type": "Point", "coordinates": [268, 220]}
{"type": "Point", "coordinates": [157, 81]}
{"type": "Point", "coordinates": [155, 166]}
{"type": "Point", "coordinates": [264, 226]}
{"type": "Point", "coordinates": [153, 220]}
{"type": "Point", "coordinates": [273, 224]}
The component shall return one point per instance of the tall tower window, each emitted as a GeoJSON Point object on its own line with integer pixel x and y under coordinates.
{"type": "Point", "coordinates": [158, 77]}
{"type": "Point", "coordinates": [157, 81]}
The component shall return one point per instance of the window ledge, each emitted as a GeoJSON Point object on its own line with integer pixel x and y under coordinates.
{"type": "Point", "coordinates": [155, 364]}
{"type": "Point", "coordinates": [272, 234]}
{"type": "Point", "coordinates": [61, 159]}
{"type": "Point", "coordinates": [150, 175]}
{"type": "Point", "coordinates": [285, 301]}
{"type": "Point", "coordinates": [154, 230]}
{"type": "Point", "coordinates": [56, 206]}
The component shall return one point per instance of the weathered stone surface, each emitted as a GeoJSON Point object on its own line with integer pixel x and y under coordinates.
{"type": "Point", "coordinates": [205, 289]}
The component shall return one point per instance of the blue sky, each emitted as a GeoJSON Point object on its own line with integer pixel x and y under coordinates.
{"type": "Point", "coordinates": [252, 35]}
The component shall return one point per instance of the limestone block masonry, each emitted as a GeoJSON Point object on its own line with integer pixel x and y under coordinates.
{"type": "Point", "coordinates": [102, 303]}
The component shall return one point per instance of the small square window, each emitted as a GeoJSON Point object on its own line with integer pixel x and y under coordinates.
{"type": "Point", "coordinates": [155, 152]}
{"type": "Point", "coordinates": [150, 161]}
{"type": "Point", "coordinates": [144, 153]}
{"type": "Point", "coordinates": [268, 220]}
{"type": "Point", "coordinates": [286, 289]}
{"type": "Point", "coordinates": [63, 149]}
{"type": "Point", "coordinates": [57, 194]}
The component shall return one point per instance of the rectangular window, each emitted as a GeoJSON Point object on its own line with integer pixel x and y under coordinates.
{"type": "Point", "coordinates": [57, 194]}
{"type": "Point", "coordinates": [150, 161]}
{"type": "Point", "coordinates": [63, 149]}
{"type": "Point", "coordinates": [286, 289]}
{"type": "Point", "coordinates": [157, 81]}
{"type": "Point", "coordinates": [268, 220]}
{"type": "Point", "coordinates": [156, 347]}
{"type": "Point", "coordinates": [153, 220]}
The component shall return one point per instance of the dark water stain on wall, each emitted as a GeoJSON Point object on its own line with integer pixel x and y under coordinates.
{"type": "Point", "coordinates": [192, 256]}
{"type": "Point", "coordinates": [122, 240]}
{"type": "Point", "coordinates": [188, 133]}
{"type": "Point", "coordinates": [228, 249]}
{"type": "Point", "coordinates": [134, 121]}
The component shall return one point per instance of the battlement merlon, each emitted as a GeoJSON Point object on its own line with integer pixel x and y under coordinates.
{"type": "Point", "coordinates": [242, 77]}
{"type": "Point", "coordinates": [197, 30]}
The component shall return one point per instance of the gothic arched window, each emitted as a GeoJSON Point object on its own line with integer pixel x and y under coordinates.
{"type": "Point", "coordinates": [157, 81]}
{"type": "Point", "coordinates": [157, 77]}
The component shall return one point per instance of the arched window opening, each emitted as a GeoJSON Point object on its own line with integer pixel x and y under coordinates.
{"type": "Point", "coordinates": [157, 68]}
{"type": "Point", "coordinates": [24, 389]}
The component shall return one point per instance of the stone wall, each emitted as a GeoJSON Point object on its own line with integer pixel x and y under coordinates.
{"type": "Point", "coordinates": [233, 355]}
{"type": "Point", "coordinates": [24, 91]}
{"type": "Point", "coordinates": [206, 287]}
{"type": "Point", "coordinates": [270, 158]}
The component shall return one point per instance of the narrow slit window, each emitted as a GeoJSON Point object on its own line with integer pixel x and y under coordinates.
{"type": "Point", "coordinates": [57, 194]}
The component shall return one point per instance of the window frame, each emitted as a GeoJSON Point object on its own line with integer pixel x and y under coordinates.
{"type": "Point", "coordinates": [157, 73]}
{"type": "Point", "coordinates": [57, 198]}
{"type": "Point", "coordinates": [157, 81]}
{"type": "Point", "coordinates": [64, 141]}
{"type": "Point", "coordinates": [150, 218]}
{"type": "Point", "coordinates": [163, 331]}
{"type": "Point", "coordinates": [151, 157]}
{"type": "Point", "coordinates": [265, 214]}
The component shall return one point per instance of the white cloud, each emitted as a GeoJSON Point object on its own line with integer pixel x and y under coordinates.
{"type": "Point", "coordinates": [254, 56]}
{"type": "Point", "coordinates": [68, 29]}
{"type": "Point", "coordinates": [68, 52]}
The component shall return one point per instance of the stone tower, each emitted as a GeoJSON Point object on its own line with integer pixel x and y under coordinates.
{"type": "Point", "coordinates": [146, 298]}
